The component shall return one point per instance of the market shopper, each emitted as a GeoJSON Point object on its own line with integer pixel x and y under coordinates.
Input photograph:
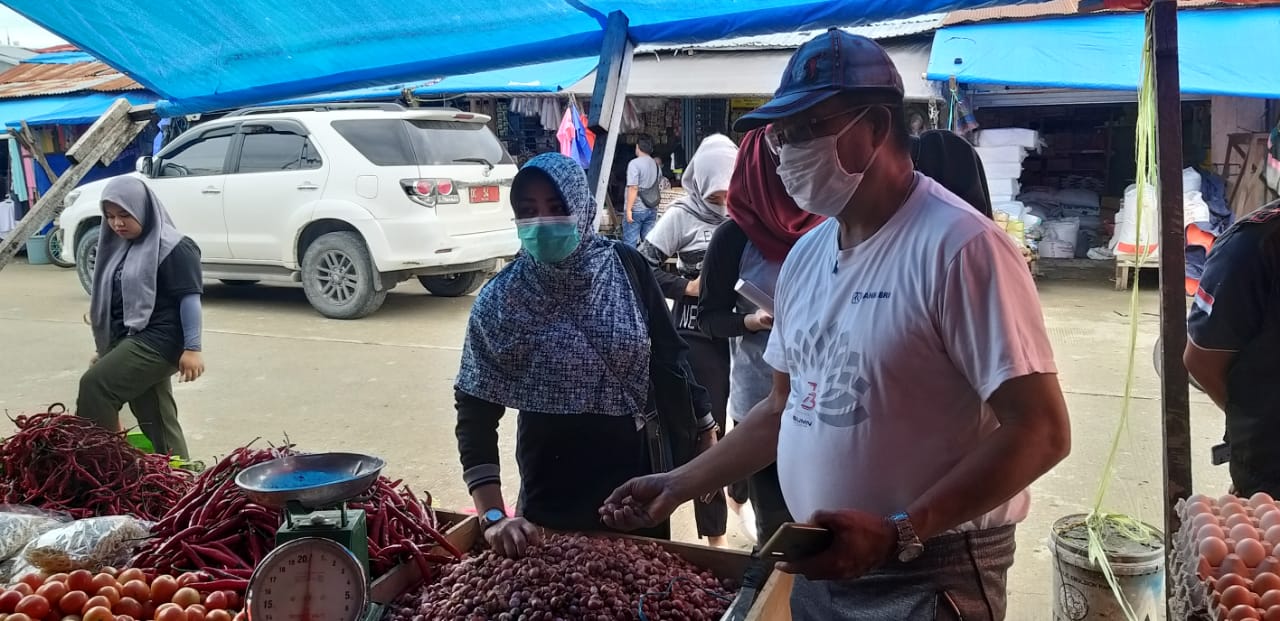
{"type": "Point", "coordinates": [563, 336]}
{"type": "Point", "coordinates": [683, 233]}
{"type": "Point", "coordinates": [1233, 349]}
{"type": "Point", "coordinates": [915, 396]}
{"type": "Point", "coordinates": [145, 315]}
{"type": "Point", "coordinates": [764, 223]}
{"type": "Point", "coordinates": [644, 193]}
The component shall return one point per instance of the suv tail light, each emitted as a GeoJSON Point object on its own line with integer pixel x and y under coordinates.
{"type": "Point", "coordinates": [431, 192]}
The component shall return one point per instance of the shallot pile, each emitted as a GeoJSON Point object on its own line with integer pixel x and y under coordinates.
{"type": "Point", "coordinates": [571, 577]}
{"type": "Point", "coordinates": [60, 462]}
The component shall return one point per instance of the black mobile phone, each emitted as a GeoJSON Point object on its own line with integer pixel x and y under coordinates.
{"type": "Point", "coordinates": [1221, 454]}
{"type": "Point", "coordinates": [796, 542]}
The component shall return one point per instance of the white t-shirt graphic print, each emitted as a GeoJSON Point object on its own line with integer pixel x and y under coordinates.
{"type": "Point", "coordinates": [893, 347]}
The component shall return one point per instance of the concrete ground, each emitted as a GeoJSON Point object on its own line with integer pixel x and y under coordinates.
{"type": "Point", "coordinates": [383, 385]}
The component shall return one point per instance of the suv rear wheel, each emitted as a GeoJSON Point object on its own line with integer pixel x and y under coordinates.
{"type": "Point", "coordinates": [452, 285]}
{"type": "Point", "coordinates": [87, 257]}
{"type": "Point", "coordinates": [338, 277]}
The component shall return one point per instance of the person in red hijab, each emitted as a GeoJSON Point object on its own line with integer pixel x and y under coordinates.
{"type": "Point", "coordinates": [764, 223]}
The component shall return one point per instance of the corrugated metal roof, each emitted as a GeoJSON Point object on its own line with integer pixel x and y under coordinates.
{"type": "Point", "coordinates": [890, 29]}
{"type": "Point", "coordinates": [1054, 8]}
{"type": "Point", "coordinates": [36, 79]}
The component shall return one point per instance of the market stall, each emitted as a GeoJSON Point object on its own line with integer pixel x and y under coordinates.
{"type": "Point", "coordinates": [96, 529]}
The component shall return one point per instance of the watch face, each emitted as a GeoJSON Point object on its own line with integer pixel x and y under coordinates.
{"type": "Point", "coordinates": [494, 515]}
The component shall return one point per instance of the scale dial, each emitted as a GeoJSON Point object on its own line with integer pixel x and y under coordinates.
{"type": "Point", "coordinates": [309, 579]}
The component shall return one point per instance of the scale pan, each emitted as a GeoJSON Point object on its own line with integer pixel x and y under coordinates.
{"type": "Point", "coordinates": [315, 481]}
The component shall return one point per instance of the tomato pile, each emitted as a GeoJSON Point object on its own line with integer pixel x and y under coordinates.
{"type": "Point", "coordinates": [129, 595]}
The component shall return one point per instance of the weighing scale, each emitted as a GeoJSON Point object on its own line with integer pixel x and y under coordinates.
{"type": "Point", "coordinates": [319, 569]}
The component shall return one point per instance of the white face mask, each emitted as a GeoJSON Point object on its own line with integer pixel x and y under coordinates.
{"type": "Point", "coordinates": [813, 176]}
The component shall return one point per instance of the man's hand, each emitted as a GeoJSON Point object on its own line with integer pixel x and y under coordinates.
{"type": "Point", "coordinates": [190, 366]}
{"type": "Point", "coordinates": [861, 542]}
{"type": "Point", "coordinates": [512, 537]}
{"type": "Point", "coordinates": [707, 440]}
{"type": "Point", "coordinates": [643, 502]}
{"type": "Point", "coordinates": [694, 288]}
{"type": "Point", "coordinates": [630, 220]}
{"type": "Point", "coordinates": [758, 321]}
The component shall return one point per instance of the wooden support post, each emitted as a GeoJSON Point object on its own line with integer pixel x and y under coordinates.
{"type": "Point", "coordinates": [608, 101]}
{"type": "Point", "coordinates": [104, 141]}
{"type": "Point", "coordinates": [28, 140]}
{"type": "Point", "coordinates": [1173, 300]}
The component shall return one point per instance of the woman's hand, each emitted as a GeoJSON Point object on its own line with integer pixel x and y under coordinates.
{"type": "Point", "coordinates": [694, 288]}
{"type": "Point", "coordinates": [190, 366]}
{"type": "Point", "coordinates": [758, 321]}
{"type": "Point", "coordinates": [512, 536]}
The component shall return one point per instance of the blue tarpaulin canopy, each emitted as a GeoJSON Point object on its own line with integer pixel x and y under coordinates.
{"type": "Point", "coordinates": [82, 109]}
{"type": "Point", "coordinates": [1221, 52]}
{"type": "Point", "coordinates": [217, 54]}
{"type": "Point", "coordinates": [551, 77]}
{"type": "Point", "coordinates": [14, 111]}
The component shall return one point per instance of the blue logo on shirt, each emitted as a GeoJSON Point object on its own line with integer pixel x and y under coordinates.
{"type": "Point", "coordinates": [859, 296]}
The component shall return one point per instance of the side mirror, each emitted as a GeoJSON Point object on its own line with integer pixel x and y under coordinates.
{"type": "Point", "coordinates": [143, 165]}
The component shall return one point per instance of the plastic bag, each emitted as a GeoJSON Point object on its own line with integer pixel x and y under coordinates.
{"type": "Point", "coordinates": [91, 544]}
{"type": "Point", "coordinates": [19, 524]}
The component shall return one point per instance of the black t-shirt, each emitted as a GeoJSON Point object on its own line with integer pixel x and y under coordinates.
{"type": "Point", "coordinates": [1237, 309]}
{"type": "Point", "coordinates": [179, 275]}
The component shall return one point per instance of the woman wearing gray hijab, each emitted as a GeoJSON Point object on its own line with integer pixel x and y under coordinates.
{"type": "Point", "coordinates": [145, 315]}
{"type": "Point", "coordinates": [684, 232]}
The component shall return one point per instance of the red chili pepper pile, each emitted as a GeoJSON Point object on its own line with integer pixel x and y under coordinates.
{"type": "Point", "coordinates": [401, 527]}
{"type": "Point", "coordinates": [215, 527]}
{"type": "Point", "coordinates": [61, 462]}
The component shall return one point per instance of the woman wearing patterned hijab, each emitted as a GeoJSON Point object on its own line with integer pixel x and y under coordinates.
{"type": "Point", "coordinates": [145, 315]}
{"type": "Point", "coordinates": [562, 336]}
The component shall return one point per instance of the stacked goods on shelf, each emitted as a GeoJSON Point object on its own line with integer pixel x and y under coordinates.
{"type": "Point", "coordinates": [1226, 566]}
{"type": "Point", "coordinates": [1002, 152]}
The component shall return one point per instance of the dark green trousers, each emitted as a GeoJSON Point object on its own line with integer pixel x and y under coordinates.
{"type": "Point", "coordinates": [133, 373]}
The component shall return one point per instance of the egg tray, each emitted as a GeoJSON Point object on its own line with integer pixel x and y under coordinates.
{"type": "Point", "coordinates": [1192, 597]}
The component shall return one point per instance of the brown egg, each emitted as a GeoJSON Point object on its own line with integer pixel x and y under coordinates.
{"type": "Point", "coordinates": [1231, 580]}
{"type": "Point", "coordinates": [1261, 498]}
{"type": "Point", "coordinates": [1228, 510]}
{"type": "Point", "coordinates": [1271, 614]}
{"type": "Point", "coordinates": [1210, 530]}
{"type": "Point", "coordinates": [1238, 519]}
{"type": "Point", "coordinates": [1243, 613]}
{"type": "Point", "coordinates": [1196, 508]}
{"type": "Point", "coordinates": [1272, 535]}
{"type": "Point", "coordinates": [1264, 509]}
{"type": "Point", "coordinates": [1240, 532]}
{"type": "Point", "coordinates": [1233, 565]}
{"type": "Point", "coordinates": [1264, 582]}
{"type": "Point", "coordinates": [1200, 521]}
{"type": "Point", "coordinates": [1269, 519]}
{"type": "Point", "coordinates": [1269, 599]}
{"type": "Point", "coordinates": [1201, 498]}
{"type": "Point", "coordinates": [1237, 595]}
{"type": "Point", "coordinates": [1227, 499]}
{"type": "Point", "coordinates": [1251, 552]}
{"type": "Point", "coordinates": [1213, 550]}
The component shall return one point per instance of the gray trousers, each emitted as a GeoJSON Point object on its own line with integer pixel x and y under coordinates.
{"type": "Point", "coordinates": [135, 374]}
{"type": "Point", "coordinates": [960, 577]}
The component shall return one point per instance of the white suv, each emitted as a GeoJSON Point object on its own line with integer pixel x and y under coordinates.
{"type": "Point", "coordinates": [348, 199]}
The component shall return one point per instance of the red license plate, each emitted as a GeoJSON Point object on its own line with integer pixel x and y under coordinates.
{"type": "Point", "coordinates": [484, 194]}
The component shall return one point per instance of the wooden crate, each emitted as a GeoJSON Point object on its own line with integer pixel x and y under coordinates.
{"type": "Point", "coordinates": [774, 601]}
{"type": "Point", "coordinates": [465, 535]}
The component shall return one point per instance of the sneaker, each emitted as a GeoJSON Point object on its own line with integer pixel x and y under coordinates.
{"type": "Point", "coordinates": [747, 521]}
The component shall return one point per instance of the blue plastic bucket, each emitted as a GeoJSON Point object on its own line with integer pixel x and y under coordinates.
{"type": "Point", "coordinates": [38, 250]}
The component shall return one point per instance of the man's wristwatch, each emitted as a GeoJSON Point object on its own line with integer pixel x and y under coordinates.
{"type": "Point", "coordinates": [491, 517]}
{"type": "Point", "coordinates": [909, 545]}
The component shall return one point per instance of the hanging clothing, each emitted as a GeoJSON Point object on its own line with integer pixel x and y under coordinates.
{"type": "Point", "coordinates": [138, 260]}
{"type": "Point", "coordinates": [17, 173]}
{"type": "Point", "coordinates": [760, 204]}
{"type": "Point", "coordinates": [591, 136]}
{"type": "Point", "coordinates": [572, 137]}
{"type": "Point", "coordinates": [565, 338]}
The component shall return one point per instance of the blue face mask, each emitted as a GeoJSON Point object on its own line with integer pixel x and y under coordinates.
{"type": "Point", "coordinates": [550, 239]}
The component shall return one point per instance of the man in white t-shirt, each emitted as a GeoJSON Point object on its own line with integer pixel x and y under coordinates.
{"type": "Point", "coordinates": [916, 397]}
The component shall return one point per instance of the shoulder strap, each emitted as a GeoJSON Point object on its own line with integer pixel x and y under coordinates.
{"type": "Point", "coordinates": [633, 278]}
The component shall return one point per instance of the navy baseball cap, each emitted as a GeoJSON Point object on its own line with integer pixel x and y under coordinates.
{"type": "Point", "coordinates": [834, 62]}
